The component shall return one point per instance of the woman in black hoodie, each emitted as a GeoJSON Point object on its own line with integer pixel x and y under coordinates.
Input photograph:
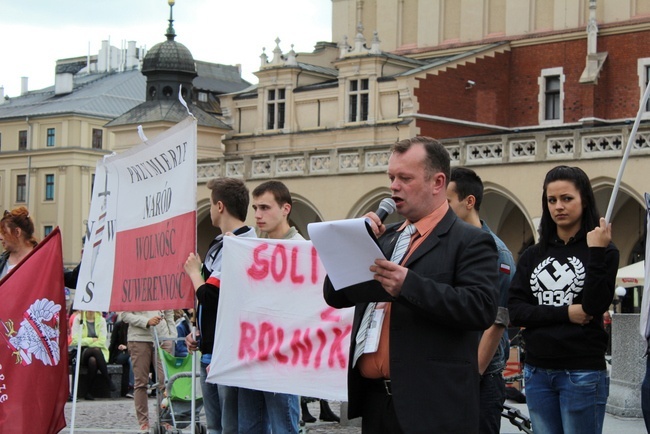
{"type": "Point", "coordinates": [561, 289]}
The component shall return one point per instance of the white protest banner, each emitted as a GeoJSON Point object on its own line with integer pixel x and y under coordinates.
{"type": "Point", "coordinates": [141, 226]}
{"type": "Point", "coordinates": [274, 330]}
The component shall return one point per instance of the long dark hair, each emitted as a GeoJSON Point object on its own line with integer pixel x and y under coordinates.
{"type": "Point", "coordinates": [590, 215]}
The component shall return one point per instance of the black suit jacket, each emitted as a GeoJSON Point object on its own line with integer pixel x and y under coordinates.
{"type": "Point", "coordinates": [448, 297]}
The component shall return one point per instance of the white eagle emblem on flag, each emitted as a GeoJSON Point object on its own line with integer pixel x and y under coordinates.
{"type": "Point", "coordinates": [38, 334]}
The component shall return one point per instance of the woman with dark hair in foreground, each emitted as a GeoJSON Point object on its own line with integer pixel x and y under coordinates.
{"type": "Point", "coordinates": [561, 289]}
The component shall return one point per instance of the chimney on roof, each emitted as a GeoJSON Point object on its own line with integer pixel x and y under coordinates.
{"type": "Point", "coordinates": [102, 58]}
{"type": "Point", "coordinates": [24, 85]}
{"type": "Point", "coordinates": [131, 56]}
{"type": "Point", "coordinates": [63, 83]}
{"type": "Point", "coordinates": [2, 94]}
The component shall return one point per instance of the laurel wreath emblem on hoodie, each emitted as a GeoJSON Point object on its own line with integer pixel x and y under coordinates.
{"type": "Point", "coordinates": [557, 284]}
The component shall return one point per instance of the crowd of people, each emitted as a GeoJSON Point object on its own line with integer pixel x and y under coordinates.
{"type": "Point", "coordinates": [440, 306]}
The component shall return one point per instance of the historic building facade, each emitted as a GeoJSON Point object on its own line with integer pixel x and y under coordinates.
{"type": "Point", "coordinates": [512, 88]}
{"type": "Point", "coordinates": [52, 138]}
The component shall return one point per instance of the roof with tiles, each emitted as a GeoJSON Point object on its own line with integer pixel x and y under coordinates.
{"type": "Point", "coordinates": [165, 111]}
{"type": "Point", "coordinates": [104, 95]}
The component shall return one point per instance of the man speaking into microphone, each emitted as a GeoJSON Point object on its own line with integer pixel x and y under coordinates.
{"type": "Point", "coordinates": [413, 349]}
{"type": "Point", "coordinates": [386, 206]}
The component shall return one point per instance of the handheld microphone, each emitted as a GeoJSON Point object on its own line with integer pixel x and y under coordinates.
{"type": "Point", "coordinates": [386, 206]}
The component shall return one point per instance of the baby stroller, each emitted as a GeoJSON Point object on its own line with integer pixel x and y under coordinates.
{"type": "Point", "coordinates": [175, 408]}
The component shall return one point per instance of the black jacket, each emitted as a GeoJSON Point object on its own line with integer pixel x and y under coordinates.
{"type": "Point", "coordinates": [448, 297]}
{"type": "Point", "coordinates": [546, 283]}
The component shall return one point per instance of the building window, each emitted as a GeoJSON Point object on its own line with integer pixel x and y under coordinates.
{"type": "Point", "coordinates": [98, 136]}
{"type": "Point", "coordinates": [646, 81]}
{"type": "Point", "coordinates": [47, 229]}
{"type": "Point", "coordinates": [203, 97]}
{"type": "Point", "coordinates": [359, 96]}
{"type": "Point", "coordinates": [21, 188]}
{"type": "Point", "coordinates": [51, 137]}
{"type": "Point", "coordinates": [643, 72]}
{"type": "Point", "coordinates": [49, 187]}
{"type": "Point", "coordinates": [551, 96]}
{"type": "Point", "coordinates": [22, 140]}
{"type": "Point", "coordinates": [275, 109]}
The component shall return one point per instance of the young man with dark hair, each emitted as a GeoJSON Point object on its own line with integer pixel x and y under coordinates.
{"type": "Point", "coordinates": [465, 195]}
{"type": "Point", "coordinates": [258, 410]}
{"type": "Point", "coordinates": [228, 207]}
{"type": "Point", "coordinates": [272, 204]}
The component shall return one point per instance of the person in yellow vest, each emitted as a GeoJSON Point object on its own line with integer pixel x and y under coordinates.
{"type": "Point", "coordinates": [94, 352]}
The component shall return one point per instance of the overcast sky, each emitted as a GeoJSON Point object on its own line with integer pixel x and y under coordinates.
{"type": "Point", "coordinates": [35, 33]}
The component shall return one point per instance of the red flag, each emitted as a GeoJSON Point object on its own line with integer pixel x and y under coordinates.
{"type": "Point", "coordinates": [33, 342]}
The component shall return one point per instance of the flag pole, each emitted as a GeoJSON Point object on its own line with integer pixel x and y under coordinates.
{"type": "Point", "coordinates": [193, 390]}
{"type": "Point", "coordinates": [76, 378]}
{"type": "Point", "coordinates": [626, 154]}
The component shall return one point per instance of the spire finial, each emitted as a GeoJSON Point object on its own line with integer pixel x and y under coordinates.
{"type": "Point", "coordinates": [374, 46]}
{"type": "Point", "coordinates": [291, 57]}
{"type": "Point", "coordinates": [359, 40]}
{"type": "Point", "coordinates": [263, 58]}
{"type": "Point", "coordinates": [171, 34]}
{"type": "Point", "coordinates": [592, 29]}
{"type": "Point", "coordinates": [344, 47]}
{"type": "Point", "coordinates": [277, 53]}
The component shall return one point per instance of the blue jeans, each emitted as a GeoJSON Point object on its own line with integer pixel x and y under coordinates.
{"type": "Point", "coordinates": [211, 403]}
{"type": "Point", "coordinates": [228, 399]}
{"type": "Point", "coordinates": [220, 404]}
{"type": "Point", "coordinates": [566, 402]}
{"type": "Point", "coordinates": [127, 372]}
{"type": "Point", "coordinates": [263, 412]}
{"type": "Point", "coordinates": [645, 395]}
{"type": "Point", "coordinates": [493, 395]}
